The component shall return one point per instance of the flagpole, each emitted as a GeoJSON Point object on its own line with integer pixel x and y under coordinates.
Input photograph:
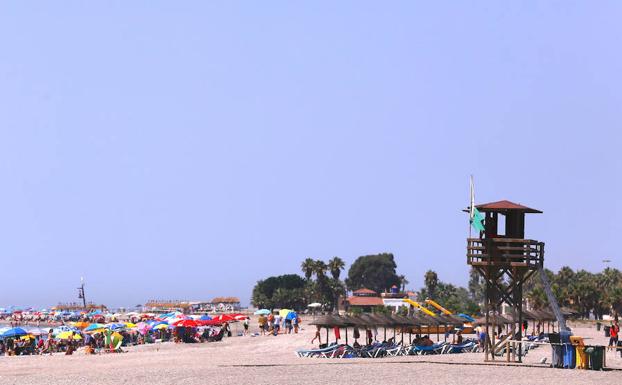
{"type": "Point", "coordinates": [470, 203]}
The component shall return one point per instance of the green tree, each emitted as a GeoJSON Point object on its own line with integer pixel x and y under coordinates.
{"type": "Point", "coordinates": [283, 291]}
{"type": "Point", "coordinates": [376, 272]}
{"type": "Point", "coordinates": [431, 283]}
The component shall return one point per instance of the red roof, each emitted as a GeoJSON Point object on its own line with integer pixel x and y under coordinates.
{"type": "Point", "coordinates": [365, 301]}
{"type": "Point", "coordinates": [364, 290]}
{"type": "Point", "coordinates": [505, 206]}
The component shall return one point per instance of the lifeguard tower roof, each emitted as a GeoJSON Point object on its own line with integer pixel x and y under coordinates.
{"type": "Point", "coordinates": [505, 206]}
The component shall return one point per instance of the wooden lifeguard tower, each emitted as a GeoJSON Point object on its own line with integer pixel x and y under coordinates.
{"type": "Point", "coordinates": [505, 261]}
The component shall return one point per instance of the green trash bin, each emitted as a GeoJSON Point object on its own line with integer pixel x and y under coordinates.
{"type": "Point", "coordinates": [607, 331]}
{"type": "Point", "coordinates": [596, 356]}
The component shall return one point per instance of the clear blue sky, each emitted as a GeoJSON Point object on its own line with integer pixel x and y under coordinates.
{"type": "Point", "coordinates": [187, 149]}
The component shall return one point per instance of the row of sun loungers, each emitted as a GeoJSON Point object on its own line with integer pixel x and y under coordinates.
{"type": "Point", "coordinates": [387, 350]}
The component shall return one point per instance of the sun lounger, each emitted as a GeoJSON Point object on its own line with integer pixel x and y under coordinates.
{"type": "Point", "coordinates": [424, 350]}
{"type": "Point", "coordinates": [466, 347]}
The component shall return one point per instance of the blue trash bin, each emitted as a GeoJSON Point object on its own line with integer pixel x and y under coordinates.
{"type": "Point", "coordinates": [569, 356]}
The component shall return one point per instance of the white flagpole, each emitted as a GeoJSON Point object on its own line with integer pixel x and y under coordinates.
{"type": "Point", "coordinates": [471, 203]}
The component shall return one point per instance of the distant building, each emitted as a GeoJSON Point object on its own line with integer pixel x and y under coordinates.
{"type": "Point", "coordinates": [394, 298]}
{"type": "Point", "coordinates": [364, 299]}
{"type": "Point", "coordinates": [225, 304]}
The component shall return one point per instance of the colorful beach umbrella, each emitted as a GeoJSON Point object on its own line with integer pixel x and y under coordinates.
{"type": "Point", "coordinates": [67, 335]}
{"type": "Point", "coordinates": [81, 324]}
{"type": "Point", "coordinates": [284, 312]}
{"type": "Point", "coordinates": [187, 323]}
{"type": "Point", "coordinates": [223, 318]}
{"type": "Point", "coordinates": [14, 332]}
{"type": "Point", "coordinates": [262, 312]}
{"type": "Point", "coordinates": [93, 327]}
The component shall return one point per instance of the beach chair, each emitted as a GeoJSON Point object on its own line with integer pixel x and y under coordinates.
{"type": "Point", "coordinates": [426, 350]}
{"type": "Point", "coordinates": [394, 350]}
{"type": "Point", "coordinates": [327, 352]}
{"type": "Point", "coordinates": [459, 348]}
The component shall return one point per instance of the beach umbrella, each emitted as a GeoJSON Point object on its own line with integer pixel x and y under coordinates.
{"type": "Point", "coordinates": [116, 326]}
{"type": "Point", "coordinates": [205, 317]}
{"type": "Point", "coordinates": [224, 318]}
{"type": "Point", "coordinates": [262, 312]}
{"type": "Point", "coordinates": [27, 337]}
{"type": "Point", "coordinates": [66, 335]}
{"type": "Point", "coordinates": [284, 312]}
{"type": "Point", "coordinates": [143, 327]}
{"type": "Point", "coordinates": [160, 326]}
{"type": "Point", "coordinates": [14, 332]}
{"type": "Point", "coordinates": [211, 322]}
{"type": "Point", "coordinates": [93, 327]}
{"type": "Point", "coordinates": [314, 304]}
{"type": "Point", "coordinates": [130, 325]}
{"type": "Point", "coordinates": [242, 317]}
{"type": "Point", "coordinates": [187, 323]}
{"type": "Point", "coordinates": [81, 324]}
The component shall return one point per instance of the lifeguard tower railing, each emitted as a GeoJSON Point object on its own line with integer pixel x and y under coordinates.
{"type": "Point", "coordinates": [505, 252]}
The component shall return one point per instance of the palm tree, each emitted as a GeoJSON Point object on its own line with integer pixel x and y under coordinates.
{"type": "Point", "coordinates": [308, 267]}
{"type": "Point", "coordinates": [431, 282]}
{"type": "Point", "coordinates": [320, 268]}
{"type": "Point", "coordinates": [403, 282]}
{"type": "Point", "coordinates": [335, 266]}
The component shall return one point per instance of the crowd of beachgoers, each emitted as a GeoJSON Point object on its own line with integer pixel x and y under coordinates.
{"type": "Point", "coordinates": [29, 333]}
{"type": "Point", "coordinates": [49, 332]}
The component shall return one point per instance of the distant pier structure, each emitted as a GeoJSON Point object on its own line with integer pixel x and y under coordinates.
{"type": "Point", "coordinates": [505, 258]}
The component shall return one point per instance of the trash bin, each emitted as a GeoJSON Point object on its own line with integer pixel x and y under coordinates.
{"type": "Point", "coordinates": [582, 358]}
{"type": "Point", "coordinates": [607, 331]}
{"type": "Point", "coordinates": [570, 360]}
{"type": "Point", "coordinates": [596, 355]}
{"type": "Point", "coordinates": [619, 348]}
{"type": "Point", "coordinates": [557, 359]}
{"type": "Point", "coordinates": [598, 324]}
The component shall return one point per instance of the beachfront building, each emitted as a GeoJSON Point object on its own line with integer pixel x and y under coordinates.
{"type": "Point", "coordinates": [78, 307]}
{"type": "Point", "coordinates": [364, 299]}
{"type": "Point", "coordinates": [395, 298]}
{"type": "Point", "coordinates": [225, 304]}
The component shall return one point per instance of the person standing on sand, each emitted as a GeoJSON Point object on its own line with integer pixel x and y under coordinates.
{"type": "Point", "coordinates": [245, 323]}
{"type": "Point", "coordinates": [613, 335]}
{"type": "Point", "coordinates": [262, 324]}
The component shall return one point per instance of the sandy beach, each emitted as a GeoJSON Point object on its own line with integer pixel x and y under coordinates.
{"type": "Point", "coordinates": [271, 360]}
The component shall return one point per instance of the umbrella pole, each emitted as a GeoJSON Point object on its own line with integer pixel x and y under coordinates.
{"type": "Point", "coordinates": [346, 330]}
{"type": "Point", "coordinates": [327, 336]}
{"type": "Point", "coordinates": [385, 334]}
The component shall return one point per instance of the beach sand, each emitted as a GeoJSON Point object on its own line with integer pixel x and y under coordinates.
{"type": "Point", "coordinates": [271, 360]}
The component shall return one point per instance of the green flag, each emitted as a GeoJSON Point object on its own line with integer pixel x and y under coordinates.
{"type": "Point", "coordinates": [477, 220]}
{"type": "Point", "coordinates": [475, 217]}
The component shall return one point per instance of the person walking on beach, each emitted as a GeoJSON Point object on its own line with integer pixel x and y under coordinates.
{"type": "Point", "coordinates": [317, 336]}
